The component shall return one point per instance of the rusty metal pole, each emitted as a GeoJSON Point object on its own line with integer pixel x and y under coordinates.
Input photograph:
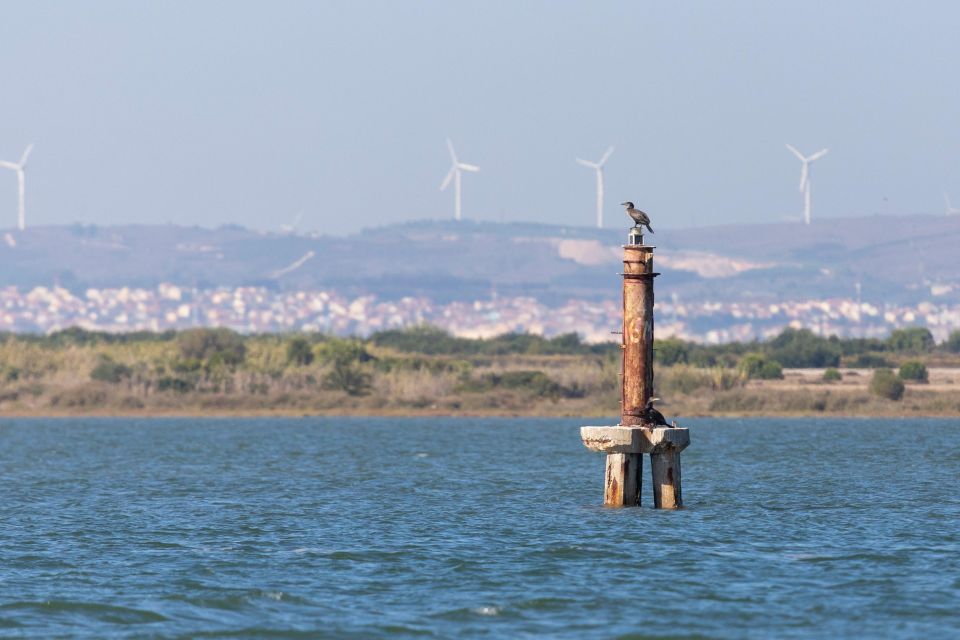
{"type": "Point", "coordinates": [638, 278]}
{"type": "Point", "coordinates": [637, 344]}
{"type": "Point", "coordinates": [626, 443]}
{"type": "Point", "coordinates": [623, 481]}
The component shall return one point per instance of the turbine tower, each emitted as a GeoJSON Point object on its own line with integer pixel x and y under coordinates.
{"type": "Point", "coordinates": [456, 168]}
{"type": "Point", "coordinates": [19, 168]}
{"type": "Point", "coordinates": [805, 178]}
{"type": "Point", "coordinates": [598, 167]}
{"type": "Point", "coordinates": [951, 210]}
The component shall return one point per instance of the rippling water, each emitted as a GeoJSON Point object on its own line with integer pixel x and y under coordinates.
{"type": "Point", "coordinates": [360, 528]}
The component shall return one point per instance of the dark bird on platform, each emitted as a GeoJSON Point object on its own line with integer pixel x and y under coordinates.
{"type": "Point", "coordinates": [649, 415]}
{"type": "Point", "coordinates": [639, 217]}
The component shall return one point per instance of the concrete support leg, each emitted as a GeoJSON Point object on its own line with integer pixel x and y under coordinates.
{"type": "Point", "coordinates": [665, 470]}
{"type": "Point", "coordinates": [623, 480]}
{"type": "Point", "coordinates": [625, 448]}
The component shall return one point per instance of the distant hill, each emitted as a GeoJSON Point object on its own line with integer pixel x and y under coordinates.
{"type": "Point", "coordinates": [895, 259]}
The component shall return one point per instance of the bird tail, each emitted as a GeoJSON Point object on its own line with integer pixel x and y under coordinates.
{"type": "Point", "coordinates": [649, 228]}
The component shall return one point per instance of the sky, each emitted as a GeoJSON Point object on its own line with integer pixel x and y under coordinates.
{"type": "Point", "coordinates": [253, 113]}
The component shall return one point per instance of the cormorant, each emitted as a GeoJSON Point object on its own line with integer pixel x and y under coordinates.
{"type": "Point", "coordinates": [649, 415]}
{"type": "Point", "coordinates": [639, 217]}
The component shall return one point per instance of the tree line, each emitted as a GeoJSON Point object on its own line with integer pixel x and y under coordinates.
{"type": "Point", "coordinates": [428, 367]}
{"type": "Point", "coordinates": [792, 348]}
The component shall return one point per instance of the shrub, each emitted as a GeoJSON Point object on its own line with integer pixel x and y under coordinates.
{"type": "Point", "coordinates": [670, 352]}
{"type": "Point", "coordinates": [832, 375]}
{"type": "Point", "coordinates": [856, 346]}
{"type": "Point", "coordinates": [703, 358]}
{"type": "Point", "coordinates": [565, 343]}
{"type": "Point", "coordinates": [725, 379]}
{"type": "Point", "coordinates": [684, 379]}
{"type": "Point", "coordinates": [536, 382]}
{"type": "Point", "coordinates": [344, 352]}
{"type": "Point", "coordinates": [803, 349]}
{"type": "Point", "coordinates": [886, 384]}
{"type": "Point", "coordinates": [533, 381]}
{"type": "Point", "coordinates": [870, 361]}
{"type": "Point", "coordinates": [429, 340]}
{"type": "Point", "coordinates": [914, 370]}
{"type": "Point", "coordinates": [757, 366]}
{"type": "Point", "coordinates": [911, 340]}
{"type": "Point", "coordinates": [348, 378]}
{"type": "Point", "coordinates": [109, 371]}
{"type": "Point", "coordinates": [299, 352]}
{"type": "Point", "coordinates": [952, 343]}
{"type": "Point", "coordinates": [423, 339]}
{"type": "Point", "coordinates": [214, 346]}
{"type": "Point", "coordinates": [177, 385]}
{"type": "Point", "coordinates": [186, 366]}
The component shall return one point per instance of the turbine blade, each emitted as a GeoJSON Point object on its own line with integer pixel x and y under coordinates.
{"type": "Point", "coordinates": [453, 154]}
{"type": "Point", "coordinates": [9, 165]}
{"type": "Point", "coordinates": [587, 163]}
{"type": "Point", "coordinates": [603, 160]}
{"type": "Point", "coordinates": [796, 153]}
{"type": "Point", "coordinates": [467, 167]}
{"type": "Point", "coordinates": [818, 155]}
{"type": "Point", "coordinates": [446, 181]}
{"type": "Point", "coordinates": [804, 175]}
{"type": "Point", "coordinates": [26, 154]}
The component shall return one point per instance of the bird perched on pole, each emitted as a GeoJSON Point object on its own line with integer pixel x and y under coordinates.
{"type": "Point", "coordinates": [639, 217]}
{"type": "Point", "coordinates": [649, 415]}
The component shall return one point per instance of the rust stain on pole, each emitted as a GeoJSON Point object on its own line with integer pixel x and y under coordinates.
{"type": "Point", "coordinates": [623, 480]}
{"type": "Point", "coordinates": [637, 364]}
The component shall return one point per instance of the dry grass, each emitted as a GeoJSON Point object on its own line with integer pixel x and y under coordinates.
{"type": "Point", "coordinates": [38, 380]}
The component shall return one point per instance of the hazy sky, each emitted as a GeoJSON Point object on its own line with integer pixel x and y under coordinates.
{"type": "Point", "coordinates": [248, 112]}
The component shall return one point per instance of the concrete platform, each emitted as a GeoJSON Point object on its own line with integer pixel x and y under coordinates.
{"type": "Point", "coordinates": [620, 439]}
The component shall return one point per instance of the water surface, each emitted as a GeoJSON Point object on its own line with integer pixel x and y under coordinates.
{"type": "Point", "coordinates": [360, 528]}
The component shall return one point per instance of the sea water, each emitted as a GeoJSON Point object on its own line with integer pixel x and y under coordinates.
{"type": "Point", "coordinates": [479, 527]}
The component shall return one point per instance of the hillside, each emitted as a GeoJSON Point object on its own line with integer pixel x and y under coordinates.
{"type": "Point", "coordinates": [903, 260]}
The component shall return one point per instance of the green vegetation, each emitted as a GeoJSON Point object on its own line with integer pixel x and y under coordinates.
{"type": "Point", "coordinates": [346, 375]}
{"type": "Point", "coordinates": [432, 341]}
{"type": "Point", "coordinates": [347, 378]}
{"type": "Point", "coordinates": [870, 361]}
{"type": "Point", "coordinates": [886, 384]}
{"type": "Point", "coordinates": [914, 371]}
{"type": "Point", "coordinates": [536, 382]}
{"type": "Point", "coordinates": [953, 342]}
{"type": "Point", "coordinates": [212, 347]}
{"type": "Point", "coordinates": [426, 369]}
{"type": "Point", "coordinates": [756, 366]}
{"type": "Point", "coordinates": [832, 375]}
{"type": "Point", "coordinates": [801, 348]}
{"type": "Point", "coordinates": [684, 379]}
{"type": "Point", "coordinates": [109, 371]}
{"type": "Point", "coordinates": [299, 352]}
{"type": "Point", "coordinates": [912, 340]}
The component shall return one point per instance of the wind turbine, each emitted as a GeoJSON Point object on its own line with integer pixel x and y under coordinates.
{"type": "Point", "coordinates": [19, 168]}
{"type": "Point", "coordinates": [598, 166]}
{"type": "Point", "coordinates": [805, 178]}
{"type": "Point", "coordinates": [951, 210]}
{"type": "Point", "coordinates": [456, 167]}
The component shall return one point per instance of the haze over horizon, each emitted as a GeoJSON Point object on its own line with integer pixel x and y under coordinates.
{"type": "Point", "coordinates": [226, 112]}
